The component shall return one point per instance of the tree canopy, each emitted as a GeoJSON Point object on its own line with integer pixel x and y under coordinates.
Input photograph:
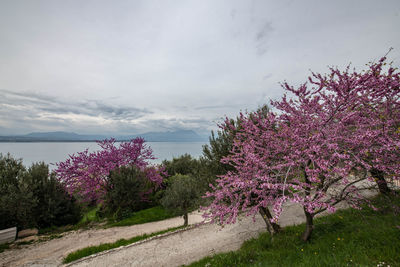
{"type": "Point", "coordinates": [85, 174]}
{"type": "Point", "coordinates": [321, 145]}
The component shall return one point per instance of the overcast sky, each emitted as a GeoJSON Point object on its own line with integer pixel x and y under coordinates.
{"type": "Point", "coordinates": [126, 67]}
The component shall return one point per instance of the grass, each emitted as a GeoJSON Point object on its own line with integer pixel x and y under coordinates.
{"type": "Point", "coordinates": [346, 238]}
{"type": "Point", "coordinates": [153, 214]}
{"type": "Point", "coordinates": [23, 243]}
{"type": "Point", "coordinates": [89, 216]}
{"type": "Point", "coordinates": [89, 219]}
{"type": "Point", "coordinates": [107, 246]}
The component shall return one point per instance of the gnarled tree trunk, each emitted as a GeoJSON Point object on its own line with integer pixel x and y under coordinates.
{"type": "Point", "coordinates": [379, 177]}
{"type": "Point", "coordinates": [272, 228]}
{"type": "Point", "coordinates": [309, 226]}
{"type": "Point", "coordinates": [309, 216]}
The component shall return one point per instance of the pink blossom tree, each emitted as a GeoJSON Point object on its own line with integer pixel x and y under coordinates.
{"type": "Point", "coordinates": [322, 146]}
{"type": "Point", "coordinates": [85, 174]}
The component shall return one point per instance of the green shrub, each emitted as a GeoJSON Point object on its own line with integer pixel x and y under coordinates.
{"type": "Point", "coordinates": [16, 200]}
{"type": "Point", "coordinates": [53, 205]}
{"type": "Point", "coordinates": [16, 207]}
{"type": "Point", "coordinates": [33, 198]}
{"type": "Point", "coordinates": [199, 169]}
{"type": "Point", "coordinates": [184, 165]}
{"type": "Point", "coordinates": [128, 191]}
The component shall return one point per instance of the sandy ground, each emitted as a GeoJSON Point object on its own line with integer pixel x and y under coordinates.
{"type": "Point", "coordinates": [171, 250]}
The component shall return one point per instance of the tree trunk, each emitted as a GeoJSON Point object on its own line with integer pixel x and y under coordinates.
{"type": "Point", "coordinates": [309, 226]}
{"type": "Point", "coordinates": [185, 218]}
{"type": "Point", "coordinates": [309, 216]}
{"type": "Point", "coordinates": [380, 180]}
{"type": "Point", "coordinates": [272, 228]}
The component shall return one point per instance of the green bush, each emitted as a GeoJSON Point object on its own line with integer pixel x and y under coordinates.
{"type": "Point", "coordinates": [16, 207]}
{"type": "Point", "coordinates": [16, 200]}
{"type": "Point", "coordinates": [128, 191]}
{"type": "Point", "coordinates": [53, 204]}
{"type": "Point", "coordinates": [199, 169]}
{"type": "Point", "coordinates": [33, 198]}
{"type": "Point", "coordinates": [184, 165]}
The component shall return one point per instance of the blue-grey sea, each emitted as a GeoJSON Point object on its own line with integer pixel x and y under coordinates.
{"type": "Point", "coordinates": [53, 152]}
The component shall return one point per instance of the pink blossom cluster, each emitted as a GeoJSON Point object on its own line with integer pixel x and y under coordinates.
{"type": "Point", "coordinates": [85, 174]}
{"type": "Point", "coordinates": [316, 148]}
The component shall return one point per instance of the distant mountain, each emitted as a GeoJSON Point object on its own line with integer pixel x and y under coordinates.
{"type": "Point", "coordinates": [175, 136]}
{"type": "Point", "coordinates": [63, 136]}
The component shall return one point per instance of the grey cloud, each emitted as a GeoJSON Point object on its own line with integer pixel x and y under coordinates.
{"type": "Point", "coordinates": [59, 109]}
{"type": "Point", "coordinates": [214, 107]}
{"type": "Point", "coordinates": [26, 97]}
{"type": "Point", "coordinates": [38, 102]}
{"type": "Point", "coordinates": [27, 109]}
{"type": "Point", "coordinates": [262, 37]}
{"type": "Point", "coordinates": [24, 112]}
{"type": "Point", "coordinates": [116, 112]}
{"type": "Point", "coordinates": [202, 126]}
{"type": "Point", "coordinates": [233, 13]}
{"type": "Point", "coordinates": [267, 76]}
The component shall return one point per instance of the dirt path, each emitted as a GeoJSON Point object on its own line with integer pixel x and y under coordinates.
{"type": "Point", "coordinates": [51, 253]}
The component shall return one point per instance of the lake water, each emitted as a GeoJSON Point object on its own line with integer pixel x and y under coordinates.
{"type": "Point", "coordinates": [53, 152]}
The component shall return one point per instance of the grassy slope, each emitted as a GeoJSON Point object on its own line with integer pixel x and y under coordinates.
{"type": "Point", "coordinates": [346, 238]}
{"type": "Point", "coordinates": [107, 246]}
{"type": "Point", "coordinates": [153, 214]}
{"type": "Point", "coordinates": [89, 216]}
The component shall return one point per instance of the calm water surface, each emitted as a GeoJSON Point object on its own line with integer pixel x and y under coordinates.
{"type": "Point", "coordinates": [53, 152]}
